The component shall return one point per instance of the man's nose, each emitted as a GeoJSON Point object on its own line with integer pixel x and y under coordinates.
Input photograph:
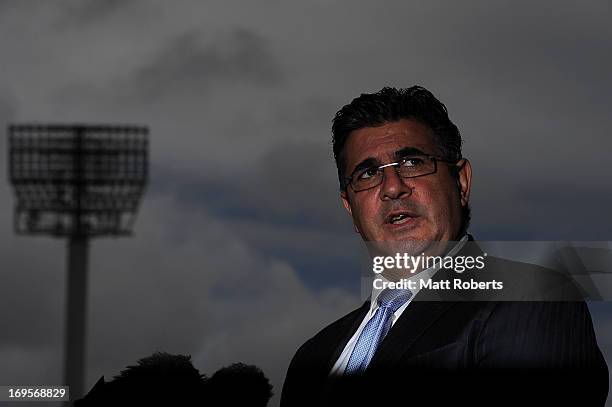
{"type": "Point", "coordinates": [393, 186]}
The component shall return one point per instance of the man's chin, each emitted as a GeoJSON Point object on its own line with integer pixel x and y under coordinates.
{"type": "Point", "coordinates": [391, 247]}
{"type": "Point", "coordinates": [410, 245]}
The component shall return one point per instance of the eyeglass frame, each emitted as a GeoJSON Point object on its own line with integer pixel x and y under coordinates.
{"type": "Point", "coordinates": [397, 166]}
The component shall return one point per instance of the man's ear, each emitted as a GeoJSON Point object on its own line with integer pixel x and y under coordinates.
{"type": "Point", "coordinates": [346, 203]}
{"type": "Point", "coordinates": [347, 206]}
{"type": "Point", "coordinates": [465, 181]}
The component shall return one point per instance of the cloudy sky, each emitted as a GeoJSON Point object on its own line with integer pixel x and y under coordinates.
{"type": "Point", "coordinates": [241, 250]}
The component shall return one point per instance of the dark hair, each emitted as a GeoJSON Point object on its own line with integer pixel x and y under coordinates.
{"type": "Point", "coordinates": [159, 379]}
{"type": "Point", "coordinates": [240, 385]}
{"type": "Point", "coordinates": [166, 379]}
{"type": "Point", "coordinates": [161, 366]}
{"type": "Point", "coordinates": [391, 105]}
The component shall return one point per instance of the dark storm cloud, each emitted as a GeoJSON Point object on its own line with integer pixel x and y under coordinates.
{"type": "Point", "coordinates": [524, 43]}
{"type": "Point", "coordinates": [293, 184]}
{"type": "Point", "coordinates": [32, 294]}
{"type": "Point", "coordinates": [194, 62]}
{"type": "Point", "coordinates": [8, 107]}
{"type": "Point", "coordinates": [81, 12]}
{"type": "Point", "coordinates": [7, 6]}
{"type": "Point", "coordinates": [542, 210]}
{"type": "Point", "coordinates": [310, 113]}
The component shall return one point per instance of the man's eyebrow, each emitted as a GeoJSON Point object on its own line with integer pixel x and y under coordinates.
{"type": "Point", "coordinates": [403, 152]}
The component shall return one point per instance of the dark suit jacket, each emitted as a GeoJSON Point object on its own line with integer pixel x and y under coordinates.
{"type": "Point", "coordinates": [460, 350]}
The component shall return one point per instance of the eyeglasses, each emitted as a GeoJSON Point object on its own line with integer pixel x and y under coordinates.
{"type": "Point", "coordinates": [408, 167]}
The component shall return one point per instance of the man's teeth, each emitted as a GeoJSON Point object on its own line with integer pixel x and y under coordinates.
{"type": "Point", "coordinates": [398, 219]}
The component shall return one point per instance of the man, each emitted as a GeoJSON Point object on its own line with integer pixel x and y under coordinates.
{"type": "Point", "coordinates": [405, 184]}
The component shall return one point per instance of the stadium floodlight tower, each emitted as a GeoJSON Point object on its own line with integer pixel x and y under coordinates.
{"type": "Point", "coordinates": [78, 182]}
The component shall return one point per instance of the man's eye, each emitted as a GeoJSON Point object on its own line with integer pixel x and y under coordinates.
{"type": "Point", "coordinates": [413, 162]}
{"type": "Point", "coordinates": [369, 173]}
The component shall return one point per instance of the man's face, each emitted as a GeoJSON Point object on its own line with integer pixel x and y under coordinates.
{"type": "Point", "coordinates": [430, 205]}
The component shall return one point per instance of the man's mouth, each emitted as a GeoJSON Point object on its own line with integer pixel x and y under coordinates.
{"type": "Point", "coordinates": [399, 218]}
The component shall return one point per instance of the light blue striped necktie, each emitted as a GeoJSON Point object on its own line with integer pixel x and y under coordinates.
{"type": "Point", "coordinates": [376, 329]}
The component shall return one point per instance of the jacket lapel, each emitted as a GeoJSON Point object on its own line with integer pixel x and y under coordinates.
{"type": "Point", "coordinates": [415, 320]}
{"type": "Point", "coordinates": [344, 332]}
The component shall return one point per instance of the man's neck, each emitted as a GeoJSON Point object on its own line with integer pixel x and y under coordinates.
{"type": "Point", "coordinates": [419, 262]}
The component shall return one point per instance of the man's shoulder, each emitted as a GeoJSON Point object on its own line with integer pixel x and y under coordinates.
{"type": "Point", "coordinates": [531, 282]}
{"type": "Point", "coordinates": [309, 367]}
{"type": "Point", "coordinates": [521, 281]}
